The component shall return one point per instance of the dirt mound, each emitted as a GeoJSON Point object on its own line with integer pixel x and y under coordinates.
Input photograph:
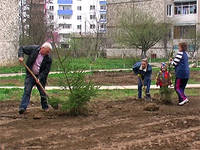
{"type": "Point", "coordinates": [151, 107]}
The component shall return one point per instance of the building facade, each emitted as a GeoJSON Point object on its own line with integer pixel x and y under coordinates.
{"type": "Point", "coordinates": [183, 15]}
{"type": "Point", "coordinates": [9, 32]}
{"type": "Point", "coordinates": [81, 17]}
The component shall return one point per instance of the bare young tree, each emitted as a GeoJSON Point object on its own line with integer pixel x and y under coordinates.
{"type": "Point", "coordinates": [194, 45]}
{"type": "Point", "coordinates": [33, 22]}
{"type": "Point", "coordinates": [89, 44]}
{"type": "Point", "coordinates": [140, 30]}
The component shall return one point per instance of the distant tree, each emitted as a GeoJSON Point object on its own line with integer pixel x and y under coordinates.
{"type": "Point", "coordinates": [33, 22]}
{"type": "Point", "coordinates": [166, 38]}
{"type": "Point", "coordinates": [194, 45]}
{"type": "Point", "coordinates": [140, 30]}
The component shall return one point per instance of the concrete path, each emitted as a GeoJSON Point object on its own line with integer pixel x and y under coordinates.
{"type": "Point", "coordinates": [130, 87]}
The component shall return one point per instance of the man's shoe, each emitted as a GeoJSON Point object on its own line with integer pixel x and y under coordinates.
{"type": "Point", "coordinates": [148, 97]}
{"type": "Point", "coordinates": [183, 102]}
{"type": "Point", "coordinates": [21, 111]}
{"type": "Point", "coordinates": [46, 110]}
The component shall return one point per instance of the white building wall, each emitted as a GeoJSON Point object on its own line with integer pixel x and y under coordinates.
{"type": "Point", "coordinates": [85, 13]}
{"type": "Point", "coordinates": [9, 32]}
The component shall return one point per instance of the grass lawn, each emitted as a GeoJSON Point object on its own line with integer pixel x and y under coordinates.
{"type": "Point", "coordinates": [84, 63]}
{"type": "Point", "coordinates": [16, 94]}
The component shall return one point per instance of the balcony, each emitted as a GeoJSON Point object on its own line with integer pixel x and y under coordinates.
{"type": "Point", "coordinates": [102, 20]}
{"type": "Point", "coordinates": [65, 2]}
{"type": "Point", "coordinates": [65, 12]}
{"type": "Point", "coordinates": [185, 19]}
{"type": "Point", "coordinates": [102, 2]}
{"type": "Point", "coordinates": [103, 11]}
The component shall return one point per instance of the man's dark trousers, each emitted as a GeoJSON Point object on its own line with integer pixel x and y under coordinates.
{"type": "Point", "coordinates": [140, 85]}
{"type": "Point", "coordinates": [29, 83]}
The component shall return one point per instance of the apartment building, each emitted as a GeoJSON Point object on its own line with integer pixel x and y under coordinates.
{"type": "Point", "coordinates": [76, 17]}
{"type": "Point", "coordinates": [184, 15]}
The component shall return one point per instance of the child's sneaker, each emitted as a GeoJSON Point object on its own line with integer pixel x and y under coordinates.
{"type": "Point", "coordinates": [183, 102]}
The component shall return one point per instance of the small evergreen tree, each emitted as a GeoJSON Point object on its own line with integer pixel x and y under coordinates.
{"type": "Point", "coordinates": [80, 90]}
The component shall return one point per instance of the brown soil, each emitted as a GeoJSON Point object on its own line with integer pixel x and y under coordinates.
{"type": "Point", "coordinates": [104, 78]}
{"type": "Point", "coordinates": [109, 125]}
{"type": "Point", "coordinates": [127, 78]}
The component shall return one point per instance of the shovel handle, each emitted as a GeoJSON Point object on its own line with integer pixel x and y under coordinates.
{"type": "Point", "coordinates": [36, 79]}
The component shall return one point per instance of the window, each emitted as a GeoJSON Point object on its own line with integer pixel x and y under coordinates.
{"type": "Point", "coordinates": [51, 8]}
{"type": "Point", "coordinates": [103, 16]}
{"type": "Point", "coordinates": [92, 7]}
{"type": "Point", "coordinates": [92, 26]}
{"type": "Point", "coordinates": [169, 10]}
{"type": "Point", "coordinates": [65, 26]}
{"type": "Point", "coordinates": [65, 35]}
{"type": "Point", "coordinates": [103, 7]}
{"type": "Point", "coordinates": [184, 32]}
{"type": "Point", "coordinates": [92, 17]}
{"type": "Point", "coordinates": [79, 27]}
{"type": "Point", "coordinates": [185, 8]}
{"type": "Point", "coordinates": [79, 8]}
{"type": "Point", "coordinates": [64, 45]}
{"type": "Point", "coordinates": [103, 26]}
{"type": "Point", "coordinates": [51, 26]}
{"type": "Point", "coordinates": [193, 9]}
{"type": "Point", "coordinates": [51, 17]}
{"type": "Point", "coordinates": [65, 17]}
{"type": "Point", "coordinates": [79, 17]}
{"type": "Point", "coordinates": [65, 7]}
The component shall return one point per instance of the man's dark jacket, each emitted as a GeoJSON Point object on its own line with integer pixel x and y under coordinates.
{"type": "Point", "coordinates": [32, 51]}
{"type": "Point", "coordinates": [146, 76]}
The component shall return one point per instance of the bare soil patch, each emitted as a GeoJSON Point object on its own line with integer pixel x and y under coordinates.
{"type": "Point", "coordinates": [109, 125]}
{"type": "Point", "coordinates": [127, 78]}
{"type": "Point", "coordinates": [104, 78]}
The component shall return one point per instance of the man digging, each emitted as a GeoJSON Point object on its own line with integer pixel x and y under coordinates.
{"type": "Point", "coordinates": [143, 70]}
{"type": "Point", "coordinates": [39, 61]}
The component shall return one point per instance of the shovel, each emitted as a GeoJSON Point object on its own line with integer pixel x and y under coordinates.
{"type": "Point", "coordinates": [40, 85]}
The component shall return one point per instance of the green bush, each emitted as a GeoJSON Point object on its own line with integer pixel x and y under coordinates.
{"type": "Point", "coordinates": [80, 95]}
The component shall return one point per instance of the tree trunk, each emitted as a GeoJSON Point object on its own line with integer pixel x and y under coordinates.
{"type": "Point", "coordinates": [142, 53]}
{"type": "Point", "coordinates": [165, 47]}
{"type": "Point", "coordinates": [145, 53]}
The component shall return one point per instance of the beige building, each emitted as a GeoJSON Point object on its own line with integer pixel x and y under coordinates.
{"type": "Point", "coordinates": [9, 31]}
{"type": "Point", "coordinates": [184, 15]}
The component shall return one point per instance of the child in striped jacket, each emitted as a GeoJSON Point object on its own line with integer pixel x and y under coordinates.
{"type": "Point", "coordinates": [182, 73]}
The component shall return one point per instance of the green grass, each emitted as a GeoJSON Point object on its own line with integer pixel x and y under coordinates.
{"type": "Point", "coordinates": [12, 69]}
{"type": "Point", "coordinates": [10, 94]}
{"type": "Point", "coordinates": [16, 94]}
{"type": "Point", "coordinates": [85, 63]}
{"type": "Point", "coordinates": [100, 63]}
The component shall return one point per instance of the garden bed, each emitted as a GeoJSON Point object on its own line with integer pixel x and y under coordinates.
{"type": "Point", "coordinates": [121, 124]}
